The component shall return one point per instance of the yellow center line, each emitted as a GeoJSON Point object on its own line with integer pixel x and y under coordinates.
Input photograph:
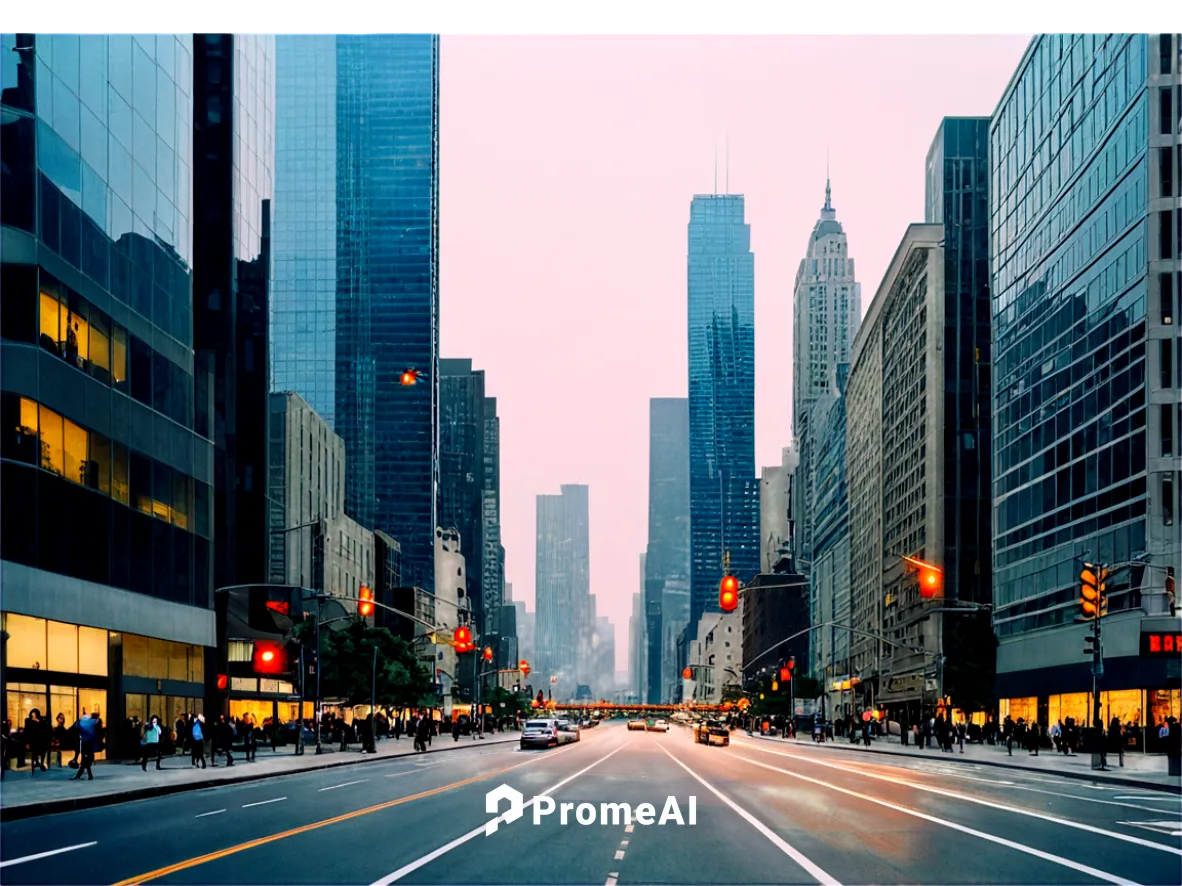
{"type": "Point", "coordinates": [303, 829]}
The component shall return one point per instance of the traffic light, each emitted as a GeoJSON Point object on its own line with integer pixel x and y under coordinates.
{"type": "Point", "coordinates": [1090, 645]}
{"type": "Point", "coordinates": [269, 658]}
{"type": "Point", "coordinates": [791, 662]}
{"type": "Point", "coordinates": [488, 653]}
{"type": "Point", "coordinates": [728, 594]}
{"type": "Point", "coordinates": [524, 667]}
{"type": "Point", "coordinates": [687, 674]}
{"type": "Point", "coordinates": [775, 686]}
{"type": "Point", "coordinates": [365, 602]}
{"type": "Point", "coordinates": [931, 578]}
{"type": "Point", "coordinates": [1093, 591]}
{"type": "Point", "coordinates": [410, 377]}
{"type": "Point", "coordinates": [785, 674]}
{"type": "Point", "coordinates": [463, 640]}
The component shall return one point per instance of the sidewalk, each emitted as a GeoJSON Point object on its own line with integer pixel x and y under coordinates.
{"type": "Point", "coordinates": [1140, 770]}
{"type": "Point", "coordinates": [27, 795]}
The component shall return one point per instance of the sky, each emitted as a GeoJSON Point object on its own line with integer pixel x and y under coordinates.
{"type": "Point", "coordinates": [567, 170]}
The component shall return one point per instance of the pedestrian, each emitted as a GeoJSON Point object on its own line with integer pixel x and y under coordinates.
{"type": "Point", "coordinates": [61, 737]}
{"type": "Point", "coordinates": [36, 738]}
{"type": "Point", "coordinates": [960, 733]}
{"type": "Point", "coordinates": [89, 741]}
{"type": "Point", "coordinates": [249, 737]}
{"type": "Point", "coordinates": [455, 728]}
{"type": "Point", "coordinates": [422, 733]}
{"type": "Point", "coordinates": [197, 740]}
{"type": "Point", "coordinates": [1116, 739]}
{"type": "Point", "coordinates": [150, 742]}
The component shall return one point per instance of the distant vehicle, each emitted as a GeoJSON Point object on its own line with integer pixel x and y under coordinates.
{"type": "Point", "coordinates": [539, 733]}
{"type": "Point", "coordinates": [656, 726]}
{"type": "Point", "coordinates": [636, 725]}
{"type": "Point", "coordinates": [712, 732]}
{"type": "Point", "coordinates": [568, 732]}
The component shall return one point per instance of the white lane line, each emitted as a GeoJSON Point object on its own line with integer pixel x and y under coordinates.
{"type": "Point", "coordinates": [1001, 841]}
{"type": "Point", "coordinates": [345, 785]}
{"type": "Point", "coordinates": [611, 880]}
{"type": "Point", "coordinates": [1150, 844]}
{"type": "Point", "coordinates": [623, 842]}
{"type": "Point", "coordinates": [264, 802]}
{"type": "Point", "coordinates": [40, 855]}
{"type": "Point", "coordinates": [619, 854]}
{"type": "Point", "coordinates": [1157, 798]}
{"type": "Point", "coordinates": [629, 829]}
{"type": "Point", "coordinates": [215, 812]}
{"type": "Point", "coordinates": [476, 832]}
{"type": "Point", "coordinates": [815, 871]}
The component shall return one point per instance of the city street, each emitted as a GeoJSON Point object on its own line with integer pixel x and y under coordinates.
{"type": "Point", "coordinates": [766, 812]}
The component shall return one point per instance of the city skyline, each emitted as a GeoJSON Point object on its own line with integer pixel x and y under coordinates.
{"type": "Point", "coordinates": [637, 140]}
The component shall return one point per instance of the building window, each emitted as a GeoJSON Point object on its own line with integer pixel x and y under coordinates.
{"type": "Point", "coordinates": [1167, 430]}
{"type": "Point", "coordinates": [1166, 170]}
{"type": "Point", "coordinates": [51, 322]}
{"type": "Point", "coordinates": [1165, 235]}
{"type": "Point", "coordinates": [1167, 362]}
{"type": "Point", "coordinates": [76, 455]}
{"type": "Point", "coordinates": [1167, 499]}
{"type": "Point", "coordinates": [1166, 49]}
{"type": "Point", "coordinates": [1166, 107]}
{"type": "Point", "coordinates": [53, 456]}
{"type": "Point", "coordinates": [1166, 281]}
{"type": "Point", "coordinates": [26, 641]}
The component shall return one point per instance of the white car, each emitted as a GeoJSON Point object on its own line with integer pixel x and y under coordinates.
{"type": "Point", "coordinates": [539, 733]}
{"type": "Point", "coordinates": [657, 726]}
{"type": "Point", "coordinates": [569, 731]}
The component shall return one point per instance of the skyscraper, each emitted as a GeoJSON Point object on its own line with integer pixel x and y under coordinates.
{"type": "Point", "coordinates": [108, 465]}
{"type": "Point", "coordinates": [667, 560]}
{"type": "Point", "coordinates": [724, 490]}
{"type": "Point", "coordinates": [356, 309]}
{"type": "Point", "coordinates": [563, 584]}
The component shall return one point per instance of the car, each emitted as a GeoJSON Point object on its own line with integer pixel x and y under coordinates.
{"type": "Point", "coordinates": [539, 733]}
{"type": "Point", "coordinates": [656, 726]}
{"type": "Point", "coordinates": [568, 732]}
{"type": "Point", "coordinates": [636, 724]}
{"type": "Point", "coordinates": [712, 732]}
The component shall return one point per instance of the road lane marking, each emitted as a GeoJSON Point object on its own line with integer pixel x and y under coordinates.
{"type": "Point", "coordinates": [264, 802]}
{"type": "Point", "coordinates": [629, 829]}
{"type": "Point", "coordinates": [623, 842]}
{"type": "Point", "coordinates": [1001, 841]}
{"type": "Point", "coordinates": [345, 785]}
{"type": "Point", "coordinates": [40, 855]}
{"type": "Point", "coordinates": [476, 832]}
{"type": "Point", "coordinates": [814, 870]}
{"type": "Point", "coordinates": [611, 880]}
{"type": "Point", "coordinates": [215, 812]}
{"type": "Point", "coordinates": [619, 854]}
{"type": "Point", "coordinates": [1150, 844]}
{"type": "Point", "coordinates": [263, 841]}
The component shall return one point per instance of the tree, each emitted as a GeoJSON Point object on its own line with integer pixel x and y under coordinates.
{"type": "Point", "coordinates": [808, 687]}
{"type": "Point", "coordinates": [347, 672]}
{"type": "Point", "coordinates": [512, 701]}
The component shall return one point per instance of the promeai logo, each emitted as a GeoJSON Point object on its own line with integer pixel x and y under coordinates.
{"type": "Point", "coordinates": [605, 814]}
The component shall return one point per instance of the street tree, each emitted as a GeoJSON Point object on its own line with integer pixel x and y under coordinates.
{"type": "Point", "coordinates": [347, 666]}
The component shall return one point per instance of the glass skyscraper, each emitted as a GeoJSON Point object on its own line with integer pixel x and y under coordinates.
{"type": "Point", "coordinates": [1085, 245]}
{"type": "Point", "coordinates": [724, 490]}
{"type": "Point", "coordinates": [106, 466]}
{"type": "Point", "coordinates": [304, 300]}
{"type": "Point", "coordinates": [565, 608]}
{"type": "Point", "coordinates": [365, 161]}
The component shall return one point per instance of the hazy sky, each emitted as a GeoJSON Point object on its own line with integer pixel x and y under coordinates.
{"type": "Point", "coordinates": [568, 166]}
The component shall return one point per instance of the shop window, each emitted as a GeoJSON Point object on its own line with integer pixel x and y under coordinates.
{"type": "Point", "coordinates": [75, 445]}
{"type": "Point", "coordinates": [26, 641]}
{"type": "Point", "coordinates": [51, 322]}
{"type": "Point", "coordinates": [135, 655]}
{"type": "Point", "coordinates": [53, 456]}
{"type": "Point", "coordinates": [119, 358]}
{"type": "Point", "coordinates": [92, 651]}
{"type": "Point", "coordinates": [196, 666]}
{"type": "Point", "coordinates": [178, 661]}
{"type": "Point", "coordinates": [63, 647]}
{"type": "Point", "coordinates": [158, 658]}
{"type": "Point", "coordinates": [23, 699]}
{"type": "Point", "coordinates": [64, 700]}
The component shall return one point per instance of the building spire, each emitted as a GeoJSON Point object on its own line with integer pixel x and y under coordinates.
{"type": "Point", "coordinates": [828, 190]}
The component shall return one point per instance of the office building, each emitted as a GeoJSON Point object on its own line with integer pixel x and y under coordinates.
{"type": "Point", "coordinates": [667, 561]}
{"type": "Point", "coordinates": [565, 607]}
{"type": "Point", "coordinates": [107, 472]}
{"type": "Point", "coordinates": [724, 488]}
{"type": "Point", "coordinates": [314, 543]}
{"type": "Point", "coordinates": [777, 527]}
{"type": "Point", "coordinates": [358, 308]}
{"type": "Point", "coordinates": [453, 609]}
{"type": "Point", "coordinates": [637, 648]}
{"type": "Point", "coordinates": [1085, 235]}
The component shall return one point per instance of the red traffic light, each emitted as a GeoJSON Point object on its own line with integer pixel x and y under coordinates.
{"type": "Point", "coordinates": [365, 602]}
{"type": "Point", "coordinates": [931, 578]}
{"type": "Point", "coordinates": [524, 667]}
{"type": "Point", "coordinates": [728, 594]}
{"type": "Point", "coordinates": [223, 682]}
{"type": "Point", "coordinates": [463, 639]}
{"type": "Point", "coordinates": [488, 653]}
{"type": "Point", "coordinates": [410, 377]}
{"type": "Point", "coordinates": [688, 674]}
{"type": "Point", "coordinates": [269, 658]}
{"type": "Point", "coordinates": [791, 662]}
{"type": "Point", "coordinates": [785, 674]}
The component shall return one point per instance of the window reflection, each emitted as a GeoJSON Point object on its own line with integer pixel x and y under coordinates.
{"type": "Point", "coordinates": [75, 439]}
{"type": "Point", "coordinates": [52, 450]}
{"type": "Point", "coordinates": [50, 322]}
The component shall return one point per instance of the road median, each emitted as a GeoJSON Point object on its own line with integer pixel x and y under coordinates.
{"type": "Point", "coordinates": [37, 807]}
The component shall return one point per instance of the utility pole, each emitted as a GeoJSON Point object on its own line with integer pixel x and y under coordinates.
{"type": "Point", "coordinates": [1093, 600]}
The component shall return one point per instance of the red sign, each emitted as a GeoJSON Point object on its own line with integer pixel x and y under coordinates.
{"type": "Point", "coordinates": [1165, 643]}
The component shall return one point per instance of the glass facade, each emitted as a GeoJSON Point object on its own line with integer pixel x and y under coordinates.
{"type": "Point", "coordinates": [565, 607]}
{"type": "Point", "coordinates": [1070, 260]}
{"type": "Point", "coordinates": [387, 287]}
{"type": "Point", "coordinates": [102, 471]}
{"type": "Point", "coordinates": [304, 287]}
{"type": "Point", "coordinates": [724, 489]}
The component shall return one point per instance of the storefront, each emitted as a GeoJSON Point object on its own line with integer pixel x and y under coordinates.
{"type": "Point", "coordinates": [59, 668]}
{"type": "Point", "coordinates": [1140, 711]}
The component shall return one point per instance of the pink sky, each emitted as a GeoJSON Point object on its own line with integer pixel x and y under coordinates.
{"type": "Point", "coordinates": [568, 166]}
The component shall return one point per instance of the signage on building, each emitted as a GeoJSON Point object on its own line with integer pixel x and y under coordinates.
{"type": "Point", "coordinates": [1166, 644]}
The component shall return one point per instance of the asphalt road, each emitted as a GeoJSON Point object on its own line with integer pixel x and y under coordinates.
{"type": "Point", "coordinates": [763, 812]}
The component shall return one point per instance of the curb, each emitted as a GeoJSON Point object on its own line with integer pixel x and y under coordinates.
{"type": "Point", "coordinates": [1080, 776]}
{"type": "Point", "coordinates": [77, 804]}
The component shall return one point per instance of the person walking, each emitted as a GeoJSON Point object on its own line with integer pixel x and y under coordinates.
{"type": "Point", "coordinates": [197, 740]}
{"type": "Point", "coordinates": [422, 733]}
{"type": "Point", "coordinates": [89, 741]}
{"type": "Point", "coordinates": [1116, 740]}
{"type": "Point", "coordinates": [150, 743]}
